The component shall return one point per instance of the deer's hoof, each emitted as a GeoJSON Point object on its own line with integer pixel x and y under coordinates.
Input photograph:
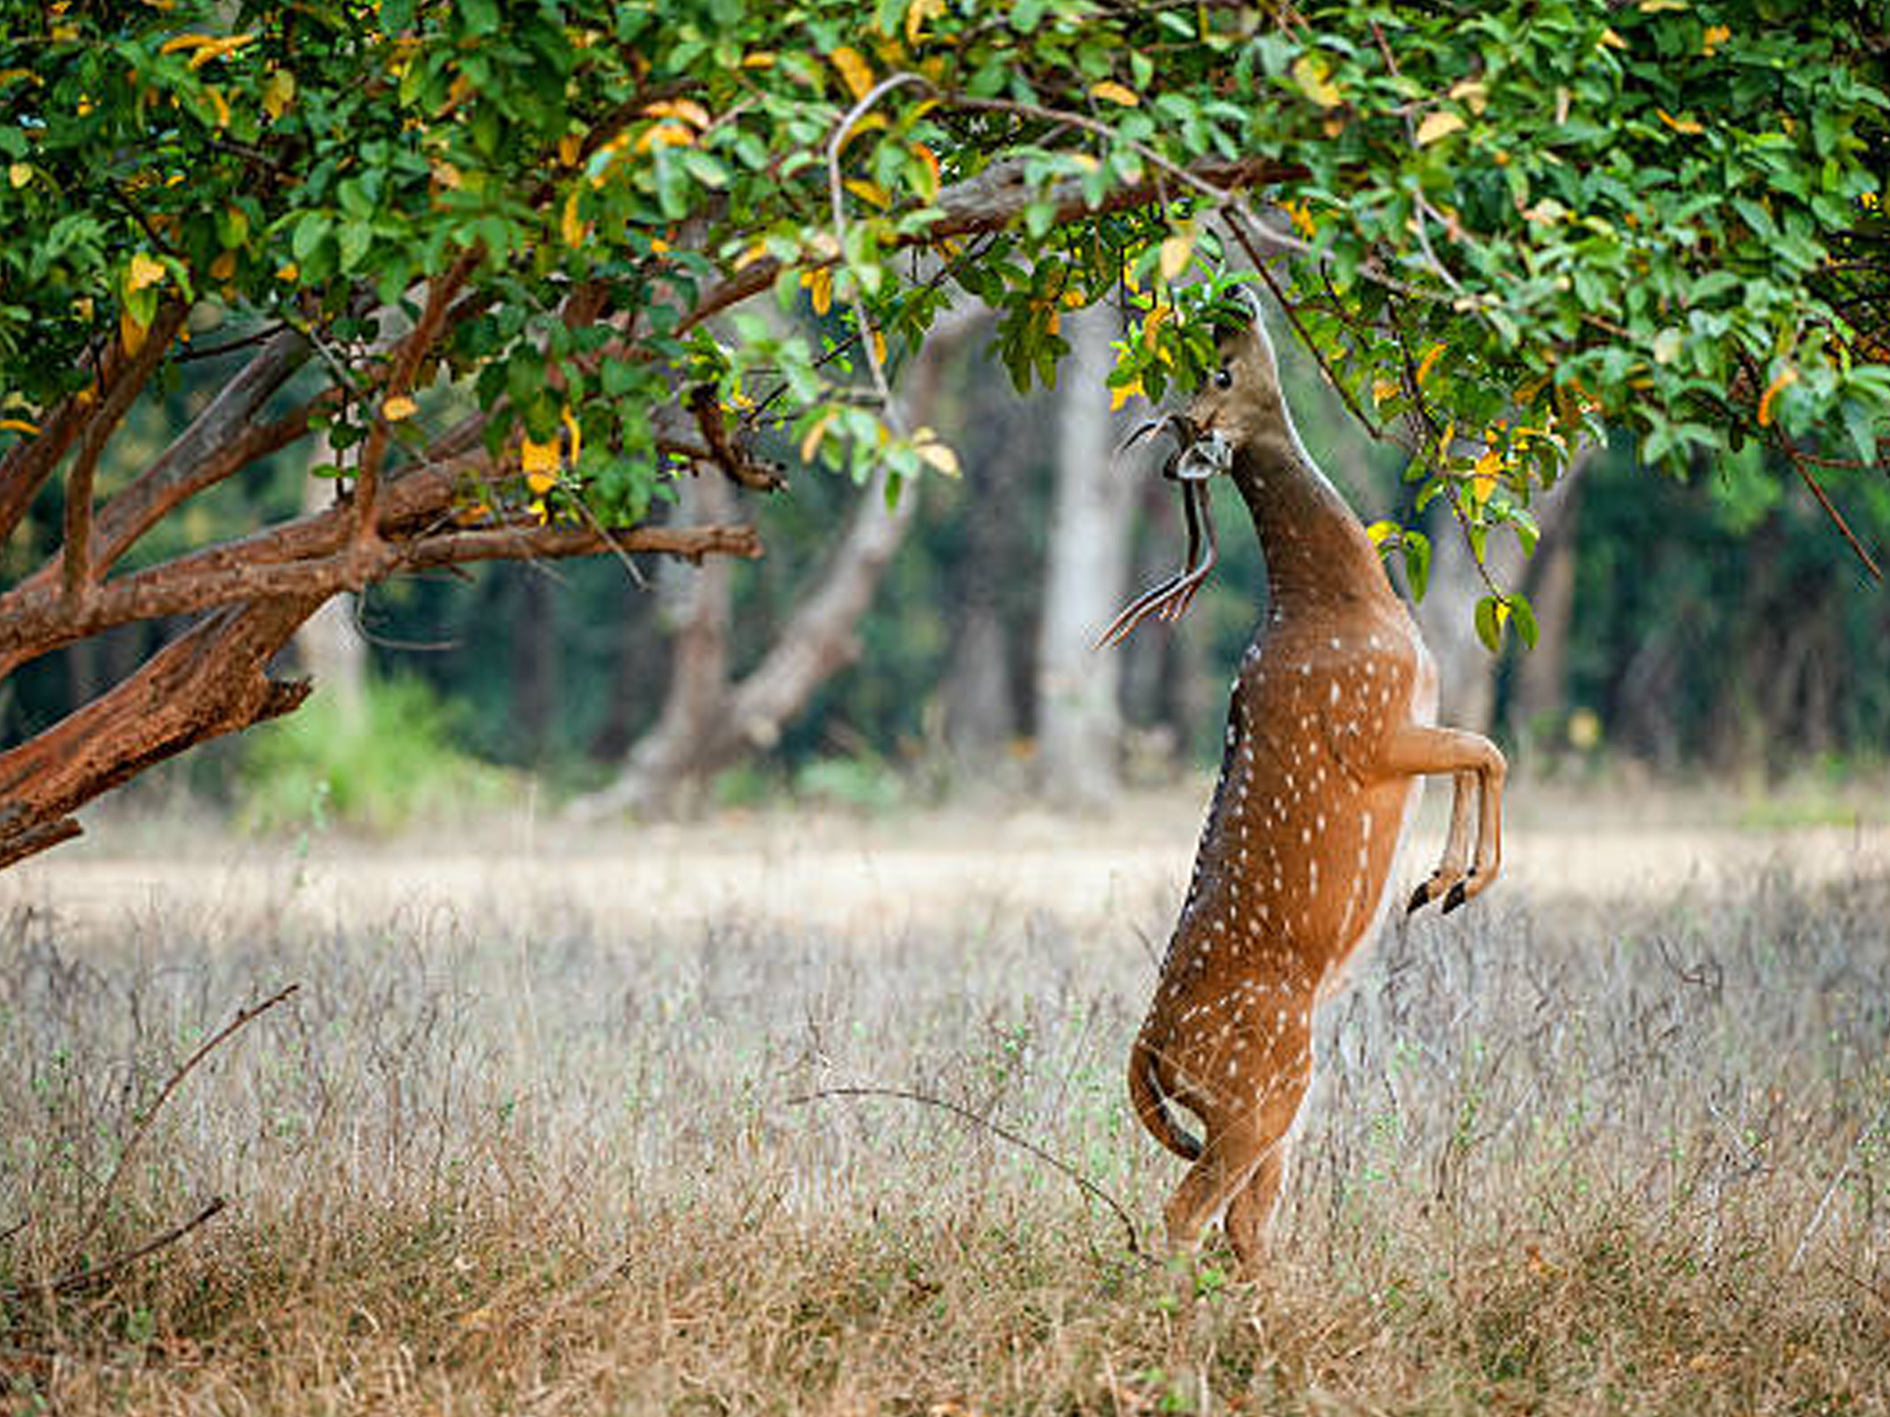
{"type": "Point", "coordinates": [1420, 898]}
{"type": "Point", "coordinates": [1455, 898]}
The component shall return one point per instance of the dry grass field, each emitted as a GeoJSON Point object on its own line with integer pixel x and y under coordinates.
{"type": "Point", "coordinates": [527, 1138]}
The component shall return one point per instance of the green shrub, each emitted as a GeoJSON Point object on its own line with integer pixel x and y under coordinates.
{"type": "Point", "coordinates": [389, 761]}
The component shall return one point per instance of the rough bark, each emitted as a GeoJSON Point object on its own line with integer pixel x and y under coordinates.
{"type": "Point", "coordinates": [210, 681]}
{"type": "Point", "coordinates": [1079, 722]}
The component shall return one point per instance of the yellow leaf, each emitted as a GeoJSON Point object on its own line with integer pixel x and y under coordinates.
{"type": "Point", "coordinates": [1123, 393]}
{"type": "Point", "coordinates": [224, 266]}
{"type": "Point", "coordinates": [1115, 93]}
{"type": "Point", "coordinates": [539, 460]}
{"type": "Point", "coordinates": [20, 425]}
{"type": "Point", "coordinates": [686, 109]}
{"type": "Point", "coordinates": [865, 123]}
{"type": "Point", "coordinates": [666, 135]}
{"type": "Point", "coordinates": [819, 285]}
{"type": "Point", "coordinates": [1654, 7]}
{"type": "Point", "coordinates": [1440, 124]}
{"type": "Point", "coordinates": [223, 108]}
{"type": "Point", "coordinates": [1611, 40]}
{"type": "Point", "coordinates": [288, 270]}
{"type": "Point", "coordinates": [1715, 36]}
{"type": "Point", "coordinates": [19, 174]}
{"type": "Point", "coordinates": [855, 72]}
{"type": "Point", "coordinates": [917, 13]}
{"type": "Point", "coordinates": [1483, 475]}
{"type": "Point", "coordinates": [1472, 93]}
{"type": "Point", "coordinates": [879, 347]}
{"type": "Point", "coordinates": [1310, 72]}
{"type": "Point", "coordinates": [185, 41]}
{"type": "Point", "coordinates": [570, 149]}
{"type": "Point", "coordinates": [1176, 251]}
{"type": "Point", "coordinates": [574, 227]}
{"type": "Point", "coordinates": [278, 93]}
{"type": "Point", "coordinates": [1383, 389]}
{"type": "Point", "coordinates": [399, 407]}
{"type": "Point", "coordinates": [868, 191]}
{"type": "Point", "coordinates": [1786, 376]}
{"type": "Point", "coordinates": [130, 332]}
{"type": "Point", "coordinates": [1381, 532]}
{"type": "Point", "coordinates": [760, 59]}
{"type": "Point", "coordinates": [145, 271]}
{"type": "Point", "coordinates": [938, 456]}
{"type": "Point", "coordinates": [811, 443]}
{"type": "Point", "coordinates": [1679, 125]}
{"type": "Point", "coordinates": [1301, 213]}
{"type": "Point", "coordinates": [1430, 358]}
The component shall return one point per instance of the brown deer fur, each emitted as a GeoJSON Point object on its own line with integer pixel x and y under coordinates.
{"type": "Point", "coordinates": [1328, 737]}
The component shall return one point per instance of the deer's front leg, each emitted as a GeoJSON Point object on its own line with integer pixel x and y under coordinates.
{"type": "Point", "coordinates": [1456, 859]}
{"type": "Point", "coordinates": [1415, 750]}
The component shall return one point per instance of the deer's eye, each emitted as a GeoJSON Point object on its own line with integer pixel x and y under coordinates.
{"type": "Point", "coordinates": [1224, 377]}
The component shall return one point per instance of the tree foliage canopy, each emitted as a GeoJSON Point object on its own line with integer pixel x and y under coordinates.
{"type": "Point", "coordinates": [492, 242]}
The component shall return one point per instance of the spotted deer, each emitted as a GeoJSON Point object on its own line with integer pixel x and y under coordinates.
{"type": "Point", "coordinates": [1329, 736]}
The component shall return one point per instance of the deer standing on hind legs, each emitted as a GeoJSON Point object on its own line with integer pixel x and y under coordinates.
{"type": "Point", "coordinates": [1329, 736]}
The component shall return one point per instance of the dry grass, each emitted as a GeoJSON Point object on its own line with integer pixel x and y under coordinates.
{"type": "Point", "coordinates": [1568, 1155]}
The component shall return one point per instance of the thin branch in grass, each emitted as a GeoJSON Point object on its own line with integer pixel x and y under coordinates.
{"type": "Point", "coordinates": [80, 1278]}
{"type": "Point", "coordinates": [149, 1116]}
{"type": "Point", "coordinates": [1083, 1183]}
{"type": "Point", "coordinates": [1830, 1191]}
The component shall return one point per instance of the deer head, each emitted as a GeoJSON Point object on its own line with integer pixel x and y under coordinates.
{"type": "Point", "coordinates": [1240, 405]}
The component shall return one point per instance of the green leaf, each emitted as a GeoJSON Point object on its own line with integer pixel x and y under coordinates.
{"type": "Point", "coordinates": [479, 16]}
{"type": "Point", "coordinates": [1523, 616]}
{"type": "Point", "coordinates": [1488, 630]}
{"type": "Point", "coordinates": [1417, 562]}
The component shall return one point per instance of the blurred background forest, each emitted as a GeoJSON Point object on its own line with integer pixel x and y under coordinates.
{"type": "Point", "coordinates": [879, 657]}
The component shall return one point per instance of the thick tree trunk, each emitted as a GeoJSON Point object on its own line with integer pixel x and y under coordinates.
{"type": "Point", "coordinates": [1079, 721]}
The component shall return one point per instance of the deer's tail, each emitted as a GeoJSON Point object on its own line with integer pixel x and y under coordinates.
{"type": "Point", "coordinates": [1151, 1103]}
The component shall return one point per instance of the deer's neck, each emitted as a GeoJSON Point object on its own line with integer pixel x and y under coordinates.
{"type": "Point", "coordinates": [1318, 556]}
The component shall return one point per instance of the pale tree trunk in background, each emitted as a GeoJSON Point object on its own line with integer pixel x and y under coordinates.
{"type": "Point", "coordinates": [536, 661]}
{"type": "Point", "coordinates": [979, 694]}
{"type": "Point", "coordinates": [329, 644]}
{"type": "Point", "coordinates": [696, 609]}
{"type": "Point", "coordinates": [1079, 721]}
{"type": "Point", "coordinates": [709, 723]}
{"type": "Point", "coordinates": [1466, 671]}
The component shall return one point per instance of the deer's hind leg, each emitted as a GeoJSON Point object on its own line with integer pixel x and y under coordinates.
{"type": "Point", "coordinates": [1243, 1155]}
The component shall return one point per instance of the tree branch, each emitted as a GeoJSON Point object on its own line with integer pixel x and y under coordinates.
{"type": "Point", "coordinates": [998, 196]}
